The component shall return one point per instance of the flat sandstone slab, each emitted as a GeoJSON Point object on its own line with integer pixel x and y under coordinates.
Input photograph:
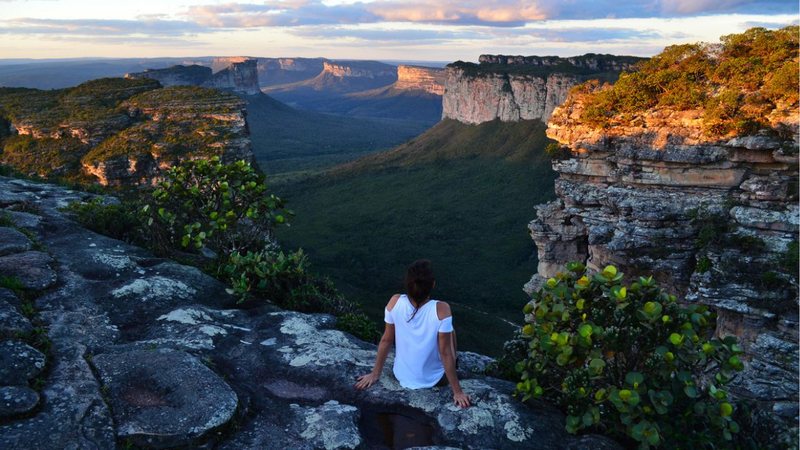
{"type": "Point", "coordinates": [164, 398]}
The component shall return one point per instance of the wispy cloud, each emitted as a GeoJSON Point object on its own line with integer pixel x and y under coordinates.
{"type": "Point", "coordinates": [497, 13]}
{"type": "Point", "coordinates": [99, 27]}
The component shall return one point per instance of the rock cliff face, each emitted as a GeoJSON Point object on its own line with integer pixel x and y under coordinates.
{"type": "Point", "coordinates": [134, 350]}
{"type": "Point", "coordinates": [415, 78]}
{"type": "Point", "coordinates": [237, 74]}
{"type": "Point", "coordinates": [358, 69]}
{"type": "Point", "coordinates": [715, 220]}
{"type": "Point", "coordinates": [119, 131]}
{"type": "Point", "coordinates": [209, 126]}
{"type": "Point", "coordinates": [272, 71]}
{"type": "Point", "coordinates": [241, 76]}
{"type": "Point", "coordinates": [513, 88]}
{"type": "Point", "coordinates": [510, 98]}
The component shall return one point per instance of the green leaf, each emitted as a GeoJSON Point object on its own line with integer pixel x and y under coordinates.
{"type": "Point", "coordinates": [610, 272]}
{"type": "Point", "coordinates": [585, 330]}
{"type": "Point", "coordinates": [725, 409]}
{"type": "Point", "coordinates": [676, 339]}
{"type": "Point", "coordinates": [597, 365]}
{"type": "Point", "coordinates": [690, 391]}
{"type": "Point", "coordinates": [634, 379]}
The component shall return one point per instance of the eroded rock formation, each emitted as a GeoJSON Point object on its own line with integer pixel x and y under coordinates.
{"type": "Point", "coordinates": [714, 219]}
{"type": "Point", "coordinates": [358, 69]}
{"type": "Point", "coordinates": [510, 98]}
{"type": "Point", "coordinates": [513, 88]}
{"type": "Point", "coordinates": [272, 71]}
{"type": "Point", "coordinates": [120, 131]}
{"type": "Point", "coordinates": [237, 74]}
{"type": "Point", "coordinates": [147, 352]}
{"type": "Point", "coordinates": [416, 78]}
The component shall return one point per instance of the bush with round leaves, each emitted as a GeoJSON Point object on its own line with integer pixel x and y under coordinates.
{"type": "Point", "coordinates": [629, 361]}
{"type": "Point", "coordinates": [205, 203]}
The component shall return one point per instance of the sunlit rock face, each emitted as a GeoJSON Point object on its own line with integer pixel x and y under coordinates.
{"type": "Point", "coordinates": [414, 78]}
{"type": "Point", "coordinates": [510, 98]}
{"type": "Point", "coordinates": [514, 88]}
{"type": "Point", "coordinates": [713, 219]}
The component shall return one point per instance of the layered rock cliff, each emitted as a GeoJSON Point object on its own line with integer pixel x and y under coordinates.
{"type": "Point", "coordinates": [237, 74]}
{"type": "Point", "coordinates": [111, 347]}
{"type": "Point", "coordinates": [513, 88]}
{"type": "Point", "coordinates": [510, 98]}
{"type": "Point", "coordinates": [358, 69]}
{"type": "Point", "coordinates": [272, 71]}
{"type": "Point", "coordinates": [713, 215]}
{"type": "Point", "coordinates": [416, 78]}
{"type": "Point", "coordinates": [118, 131]}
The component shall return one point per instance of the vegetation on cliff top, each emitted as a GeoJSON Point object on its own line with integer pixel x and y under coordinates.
{"type": "Point", "coordinates": [736, 84]}
{"type": "Point", "coordinates": [102, 119]}
{"type": "Point", "coordinates": [554, 65]}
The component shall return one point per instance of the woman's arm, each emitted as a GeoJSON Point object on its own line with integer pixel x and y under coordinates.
{"type": "Point", "coordinates": [447, 353]}
{"type": "Point", "coordinates": [387, 340]}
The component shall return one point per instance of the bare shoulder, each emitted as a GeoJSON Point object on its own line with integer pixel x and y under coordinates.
{"type": "Point", "coordinates": [392, 301]}
{"type": "Point", "coordinates": [443, 310]}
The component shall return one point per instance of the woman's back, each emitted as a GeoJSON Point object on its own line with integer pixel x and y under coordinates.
{"type": "Point", "coordinates": [417, 363]}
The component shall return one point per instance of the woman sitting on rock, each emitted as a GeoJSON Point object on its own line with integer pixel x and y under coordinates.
{"type": "Point", "coordinates": [422, 331]}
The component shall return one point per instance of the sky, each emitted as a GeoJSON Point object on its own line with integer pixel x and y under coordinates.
{"type": "Point", "coordinates": [433, 30]}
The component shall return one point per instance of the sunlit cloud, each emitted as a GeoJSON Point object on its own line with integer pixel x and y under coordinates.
{"type": "Point", "coordinates": [438, 29]}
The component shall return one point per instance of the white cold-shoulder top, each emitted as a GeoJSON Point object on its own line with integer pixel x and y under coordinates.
{"type": "Point", "coordinates": [416, 362]}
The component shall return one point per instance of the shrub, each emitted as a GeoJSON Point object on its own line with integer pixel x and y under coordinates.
{"type": "Point", "coordinates": [734, 85]}
{"type": "Point", "coordinates": [358, 324]}
{"type": "Point", "coordinates": [225, 207]}
{"type": "Point", "coordinates": [284, 279]}
{"type": "Point", "coordinates": [118, 220]}
{"type": "Point", "coordinates": [629, 361]}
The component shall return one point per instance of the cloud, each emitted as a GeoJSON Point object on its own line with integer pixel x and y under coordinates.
{"type": "Point", "coordinates": [99, 27]}
{"type": "Point", "coordinates": [494, 13]}
{"type": "Point", "coordinates": [383, 35]}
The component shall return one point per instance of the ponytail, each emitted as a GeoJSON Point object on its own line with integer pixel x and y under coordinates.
{"type": "Point", "coordinates": [419, 282]}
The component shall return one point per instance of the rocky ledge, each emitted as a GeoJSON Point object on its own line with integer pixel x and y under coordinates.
{"type": "Point", "coordinates": [714, 219]}
{"type": "Point", "coordinates": [107, 345]}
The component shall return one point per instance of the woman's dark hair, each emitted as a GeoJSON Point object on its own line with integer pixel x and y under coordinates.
{"type": "Point", "coordinates": [419, 282]}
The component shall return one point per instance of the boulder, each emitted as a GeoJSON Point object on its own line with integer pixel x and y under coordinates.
{"type": "Point", "coordinates": [164, 398]}
{"type": "Point", "coordinates": [31, 268]}
{"type": "Point", "coordinates": [12, 241]}
{"type": "Point", "coordinates": [19, 362]}
{"type": "Point", "coordinates": [15, 400]}
{"type": "Point", "coordinates": [12, 323]}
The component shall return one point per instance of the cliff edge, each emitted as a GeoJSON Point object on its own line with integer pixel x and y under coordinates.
{"type": "Point", "coordinates": [693, 180]}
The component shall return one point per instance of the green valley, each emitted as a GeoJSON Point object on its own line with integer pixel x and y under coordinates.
{"type": "Point", "coordinates": [460, 195]}
{"type": "Point", "coordinates": [292, 143]}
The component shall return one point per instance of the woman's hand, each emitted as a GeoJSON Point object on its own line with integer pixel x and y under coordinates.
{"type": "Point", "coordinates": [365, 381]}
{"type": "Point", "coordinates": [461, 399]}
